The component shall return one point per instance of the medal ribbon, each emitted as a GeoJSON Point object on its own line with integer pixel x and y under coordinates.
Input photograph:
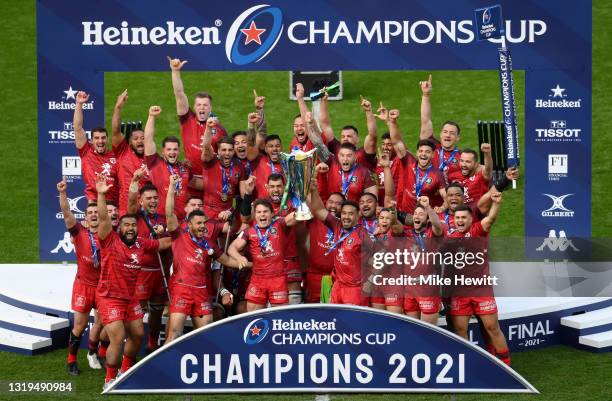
{"type": "Point", "coordinates": [347, 182]}
{"type": "Point", "coordinates": [420, 182]}
{"type": "Point", "coordinates": [343, 235]}
{"type": "Point", "coordinates": [263, 239]}
{"type": "Point", "coordinates": [225, 178]}
{"type": "Point", "coordinates": [177, 186]}
{"type": "Point", "coordinates": [419, 239]}
{"type": "Point", "coordinates": [94, 249]}
{"type": "Point", "coordinates": [444, 163]}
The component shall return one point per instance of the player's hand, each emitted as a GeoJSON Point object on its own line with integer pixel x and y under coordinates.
{"type": "Point", "coordinates": [485, 148]}
{"type": "Point", "coordinates": [383, 159]}
{"type": "Point", "coordinates": [159, 229]}
{"type": "Point", "coordinates": [211, 122]}
{"type": "Point", "coordinates": [365, 104]}
{"type": "Point", "coordinates": [249, 184]}
{"type": "Point", "coordinates": [123, 97]}
{"type": "Point", "coordinates": [101, 186]}
{"type": "Point", "coordinates": [424, 201]}
{"type": "Point", "coordinates": [62, 186]}
{"type": "Point", "coordinates": [155, 111]}
{"type": "Point", "coordinates": [322, 168]}
{"type": "Point", "coordinates": [299, 91]}
{"type": "Point", "coordinates": [393, 115]}
{"type": "Point", "coordinates": [383, 113]}
{"type": "Point", "coordinates": [175, 63]}
{"type": "Point", "coordinates": [254, 119]}
{"type": "Point", "coordinates": [512, 173]}
{"type": "Point", "coordinates": [227, 299]}
{"type": "Point", "coordinates": [224, 215]}
{"type": "Point", "coordinates": [496, 197]}
{"type": "Point", "coordinates": [439, 209]}
{"type": "Point", "coordinates": [82, 97]}
{"type": "Point", "coordinates": [308, 118]}
{"type": "Point", "coordinates": [139, 173]}
{"type": "Point", "coordinates": [426, 86]}
{"type": "Point", "coordinates": [260, 101]}
{"type": "Point", "coordinates": [242, 262]}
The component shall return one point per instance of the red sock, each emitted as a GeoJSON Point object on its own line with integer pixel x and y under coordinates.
{"type": "Point", "coordinates": [92, 346]}
{"type": "Point", "coordinates": [102, 350]}
{"type": "Point", "coordinates": [490, 348]}
{"type": "Point", "coordinates": [152, 341]}
{"type": "Point", "coordinates": [111, 373]}
{"type": "Point", "coordinates": [127, 363]}
{"type": "Point", "coordinates": [72, 357]}
{"type": "Point", "coordinates": [504, 355]}
{"type": "Point", "coordinates": [73, 347]}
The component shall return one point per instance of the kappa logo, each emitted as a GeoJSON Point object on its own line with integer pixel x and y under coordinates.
{"type": "Point", "coordinates": [256, 331]}
{"type": "Point", "coordinates": [65, 244]}
{"type": "Point", "coordinates": [554, 243]}
{"type": "Point", "coordinates": [258, 41]}
{"type": "Point", "coordinates": [557, 209]}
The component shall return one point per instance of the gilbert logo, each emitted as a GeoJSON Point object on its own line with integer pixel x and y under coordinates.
{"type": "Point", "coordinates": [256, 331]}
{"type": "Point", "coordinates": [557, 209]}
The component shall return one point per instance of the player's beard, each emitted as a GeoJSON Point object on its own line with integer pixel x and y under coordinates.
{"type": "Point", "coordinates": [128, 241]}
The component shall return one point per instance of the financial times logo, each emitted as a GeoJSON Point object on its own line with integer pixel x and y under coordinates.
{"type": "Point", "coordinates": [557, 167]}
{"type": "Point", "coordinates": [557, 208]}
{"type": "Point", "coordinates": [256, 331]}
{"type": "Point", "coordinates": [247, 42]}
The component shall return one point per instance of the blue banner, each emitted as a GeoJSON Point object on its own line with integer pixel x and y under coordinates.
{"type": "Point", "coordinates": [550, 40]}
{"type": "Point", "coordinates": [320, 348]}
{"type": "Point", "coordinates": [506, 83]}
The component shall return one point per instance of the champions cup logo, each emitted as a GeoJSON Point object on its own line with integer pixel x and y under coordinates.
{"type": "Point", "coordinates": [486, 16]}
{"type": "Point", "coordinates": [256, 331]}
{"type": "Point", "coordinates": [261, 27]}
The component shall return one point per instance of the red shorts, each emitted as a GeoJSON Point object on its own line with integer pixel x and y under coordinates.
{"type": "Point", "coordinates": [427, 305]}
{"type": "Point", "coordinates": [148, 284]}
{"type": "Point", "coordinates": [388, 300]}
{"type": "Point", "coordinates": [294, 270]}
{"type": "Point", "coordinates": [191, 301]}
{"type": "Point", "coordinates": [342, 294]}
{"type": "Point", "coordinates": [267, 289]}
{"type": "Point", "coordinates": [313, 287]}
{"type": "Point", "coordinates": [467, 306]}
{"type": "Point", "coordinates": [83, 296]}
{"type": "Point", "coordinates": [113, 309]}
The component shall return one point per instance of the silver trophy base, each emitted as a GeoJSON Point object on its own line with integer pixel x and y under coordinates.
{"type": "Point", "coordinates": [303, 213]}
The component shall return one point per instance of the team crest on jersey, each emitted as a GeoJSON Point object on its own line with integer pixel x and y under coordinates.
{"type": "Point", "coordinates": [273, 231]}
{"type": "Point", "coordinates": [428, 180]}
{"type": "Point", "coordinates": [112, 160]}
{"type": "Point", "coordinates": [354, 179]}
{"type": "Point", "coordinates": [198, 254]}
{"type": "Point", "coordinates": [134, 259]}
{"type": "Point", "coordinates": [349, 241]}
{"type": "Point", "coordinates": [205, 230]}
{"type": "Point", "coordinates": [236, 175]}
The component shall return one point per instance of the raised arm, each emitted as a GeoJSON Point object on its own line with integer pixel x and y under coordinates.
{"type": "Point", "coordinates": [299, 95]}
{"type": "Point", "coordinates": [149, 131]}
{"type": "Point", "coordinates": [255, 140]}
{"type": "Point", "coordinates": [171, 219]}
{"type": "Point", "coordinates": [369, 144]}
{"type": "Point", "coordinates": [260, 102]}
{"type": "Point", "coordinates": [104, 223]}
{"type": "Point", "coordinates": [182, 103]}
{"type": "Point", "coordinates": [390, 118]}
{"type": "Point", "coordinates": [132, 206]}
{"type": "Point", "coordinates": [314, 134]}
{"type": "Point", "coordinates": [487, 222]}
{"type": "Point", "coordinates": [208, 153]}
{"type": "Point", "coordinates": [316, 203]}
{"type": "Point", "coordinates": [389, 185]}
{"type": "Point", "coordinates": [69, 218]}
{"type": "Point", "coordinates": [80, 138]}
{"type": "Point", "coordinates": [116, 120]}
{"type": "Point", "coordinates": [487, 173]}
{"type": "Point", "coordinates": [324, 119]}
{"type": "Point", "coordinates": [426, 124]}
{"type": "Point", "coordinates": [436, 225]}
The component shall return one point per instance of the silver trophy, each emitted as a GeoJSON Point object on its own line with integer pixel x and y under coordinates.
{"type": "Point", "coordinates": [298, 167]}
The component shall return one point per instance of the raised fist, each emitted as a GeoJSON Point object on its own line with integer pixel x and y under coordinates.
{"type": "Point", "coordinates": [212, 122]}
{"type": "Point", "coordinates": [123, 97]}
{"type": "Point", "coordinates": [383, 159]}
{"type": "Point", "coordinates": [62, 186]}
{"type": "Point", "coordinates": [393, 115]}
{"type": "Point", "coordinates": [322, 168]}
{"type": "Point", "coordinates": [155, 111]}
{"type": "Point", "coordinates": [254, 118]}
{"type": "Point", "coordinates": [424, 200]}
{"type": "Point", "coordinates": [426, 86]}
{"type": "Point", "coordinates": [496, 197]}
{"type": "Point", "coordinates": [82, 97]}
{"type": "Point", "coordinates": [176, 64]}
{"type": "Point", "coordinates": [485, 148]}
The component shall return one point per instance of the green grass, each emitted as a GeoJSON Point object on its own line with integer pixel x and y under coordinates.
{"type": "Point", "coordinates": [560, 373]}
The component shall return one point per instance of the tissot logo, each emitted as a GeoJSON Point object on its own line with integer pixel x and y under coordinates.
{"type": "Point", "coordinates": [559, 131]}
{"type": "Point", "coordinates": [557, 98]}
{"type": "Point", "coordinates": [557, 209]}
{"type": "Point", "coordinates": [65, 134]}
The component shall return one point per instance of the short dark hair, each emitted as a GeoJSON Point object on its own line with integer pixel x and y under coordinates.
{"type": "Point", "coordinates": [471, 152]}
{"type": "Point", "coordinates": [276, 177]}
{"type": "Point", "coordinates": [147, 187]}
{"type": "Point", "coordinates": [369, 194]}
{"type": "Point", "coordinates": [463, 208]}
{"type": "Point", "coordinates": [92, 204]}
{"type": "Point", "coordinates": [99, 129]}
{"type": "Point", "coordinates": [420, 206]}
{"type": "Point", "coordinates": [351, 127]}
{"type": "Point", "coordinates": [272, 138]}
{"type": "Point", "coordinates": [297, 116]}
{"type": "Point", "coordinates": [193, 197]}
{"type": "Point", "coordinates": [386, 135]}
{"type": "Point", "coordinates": [109, 203]}
{"type": "Point", "coordinates": [348, 145]}
{"type": "Point", "coordinates": [226, 140]}
{"type": "Point", "coordinates": [128, 216]}
{"type": "Point", "coordinates": [349, 202]}
{"type": "Point", "coordinates": [449, 122]}
{"type": "Point", "coordinates": [426, 142]}
{"type": "Point", "coordinates": [263, 202]}
{"type": "Point", "coordinates": [195, 213]}
{"type": "Point", "coordinates": [455, 185]}
{"type": "Point", "coordinates": [203, 95]}
{"type": "Point", "coordinates": [387, 209]}
{"type": "Point", "coordinates": [172, 139]}
{"type": "Point", "coordinates": [340, 194]}
{"type": "Point", "coordinates": [238, 133]}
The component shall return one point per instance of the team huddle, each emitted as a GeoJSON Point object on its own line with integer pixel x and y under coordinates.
{"type": "Point", "coordinates": [212, 235]}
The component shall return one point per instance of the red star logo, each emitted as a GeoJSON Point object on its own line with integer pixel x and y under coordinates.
{"type": "Point", "coordinates": [255, 331]}
{"type": "Point", "coordinates": [252, 34]}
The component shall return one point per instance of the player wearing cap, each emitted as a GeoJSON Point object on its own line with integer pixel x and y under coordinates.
{"type": "Point", "coordinates": [96, 159]}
